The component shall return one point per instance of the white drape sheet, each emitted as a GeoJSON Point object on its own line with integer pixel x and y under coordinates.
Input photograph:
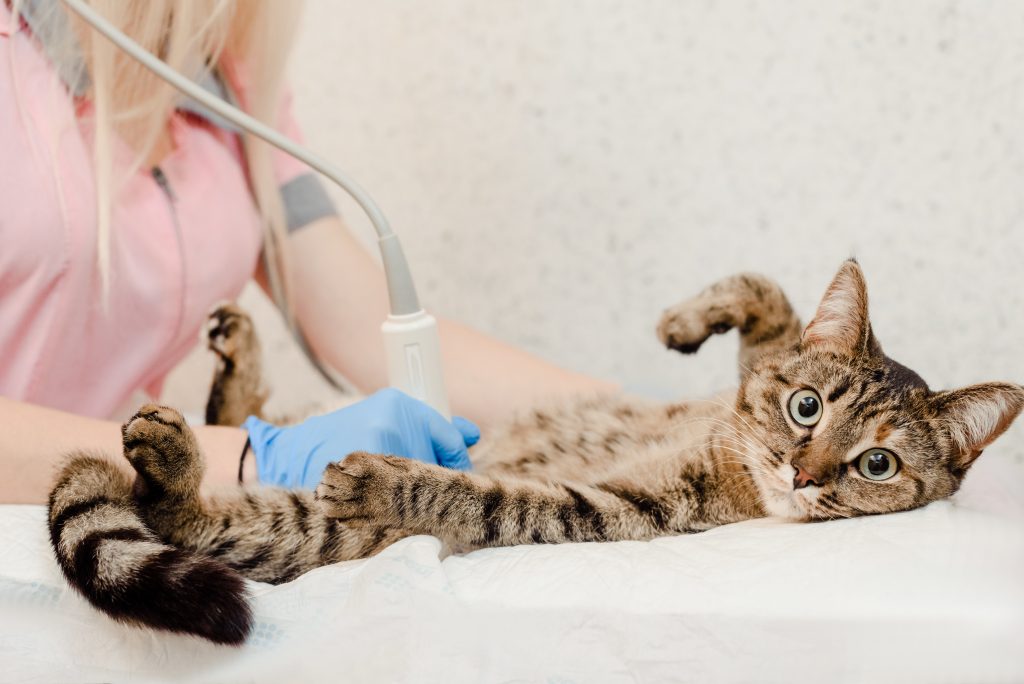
{"type": "Point", "coordinates": [932, 595]}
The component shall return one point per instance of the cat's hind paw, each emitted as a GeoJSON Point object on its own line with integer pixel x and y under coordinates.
{"type": "Point", "coordinates": [230, 332]}
{"type": "Point", "coordinates": [237, 389]}
{"type": "Point", "coordinates": [163, 451]}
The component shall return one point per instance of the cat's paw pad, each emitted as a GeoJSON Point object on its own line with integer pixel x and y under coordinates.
{"type": "Point", "coordinates": [364, 489]}
{"type": "Point", "coordinates": [153, 423]}
{"type": "Point", "coordinates": [685, 327]}
{"type": "Point", "coordinates": [229, 331]}
{"type": "Point", "coordinates": [161, 447]}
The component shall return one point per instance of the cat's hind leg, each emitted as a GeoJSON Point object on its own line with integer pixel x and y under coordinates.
{"type": "Point", "coordinates": [237, 390]}
{"type": "Point", "coordinates": [751, 303]}
{"type": "Point", "coordinates": [109, 551]}
{"type": "Point", "coordinates": [169, 467]}
{"type": "Point", "coordinates": [265, 533]}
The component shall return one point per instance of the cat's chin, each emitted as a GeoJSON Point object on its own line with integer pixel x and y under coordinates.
{"type": "Point", "coordinates": [783, 506]}
{"type": "Point", "coordinates": [777, 497]}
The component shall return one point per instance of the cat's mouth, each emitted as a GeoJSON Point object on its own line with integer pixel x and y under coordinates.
{"type": "Point", "coordinates": [778, 496]}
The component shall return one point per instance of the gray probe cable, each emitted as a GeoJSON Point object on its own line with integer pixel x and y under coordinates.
{"type": "Point", "coordinates": [410, 333]}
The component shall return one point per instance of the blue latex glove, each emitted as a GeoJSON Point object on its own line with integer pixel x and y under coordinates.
{"type": "Point", "coordinates": [389, 422]}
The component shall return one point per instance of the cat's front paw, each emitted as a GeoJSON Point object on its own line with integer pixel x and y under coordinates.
{"type": "Point", "coordinates": [686, 326]}
{"type": "Point", "coordinates": [366, 489]}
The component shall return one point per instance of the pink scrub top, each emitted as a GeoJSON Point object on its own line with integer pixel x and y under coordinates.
{"type": "Point", "coordinates": [184, 236]}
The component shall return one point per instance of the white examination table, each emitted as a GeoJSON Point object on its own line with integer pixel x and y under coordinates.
{"type": "Point", "coordinates": [932, 595]}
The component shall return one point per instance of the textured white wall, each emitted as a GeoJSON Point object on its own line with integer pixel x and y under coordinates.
{"type": "Point", "coordinates": [561, 171]}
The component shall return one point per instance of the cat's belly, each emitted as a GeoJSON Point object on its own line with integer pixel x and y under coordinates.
{"type": "Point", "coordinates": [592, 439]}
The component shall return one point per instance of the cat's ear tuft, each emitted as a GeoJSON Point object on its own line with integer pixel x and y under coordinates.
{"type": "Point", "coordinates": [841, 322]}
{"type": "Point", "coordinates": [975, 416]}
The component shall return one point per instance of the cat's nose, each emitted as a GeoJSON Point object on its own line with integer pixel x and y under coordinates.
{"type": "Point", "coordinates": [804, 478]}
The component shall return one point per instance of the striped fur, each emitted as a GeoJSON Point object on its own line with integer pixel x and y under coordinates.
{"type": "Point", "coordinates": [109, 554]}
{"type": "Point", "coordinates": [614, 468]}
{"type": "Point", "coordinates": [597, 469]}
{"type": "Point", "coordinates": [237, 391]}
{"type": "Point", "coordinates": [153, 552]}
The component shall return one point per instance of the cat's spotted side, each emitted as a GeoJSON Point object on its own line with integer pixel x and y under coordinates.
{"type": "Point", "coordinates": [823, 425]}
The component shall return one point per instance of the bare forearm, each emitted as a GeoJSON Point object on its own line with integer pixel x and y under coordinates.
{"type": "Point", "coordinates": [341, 301]}
{"type": "Point", "coordinates": [35, 439]}
{"type": "Point", "coordinates": [488, 379]}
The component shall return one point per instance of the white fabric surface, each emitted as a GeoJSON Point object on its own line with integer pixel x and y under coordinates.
{"type": "Point", "coordinates": [932, 595]}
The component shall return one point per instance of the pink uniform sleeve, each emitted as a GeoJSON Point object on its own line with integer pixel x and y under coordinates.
{"type": "Point", "coordinates": [302, 191]}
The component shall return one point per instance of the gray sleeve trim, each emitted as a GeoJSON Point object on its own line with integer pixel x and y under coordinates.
{"type": "Point", "coordinates": [305, 201]}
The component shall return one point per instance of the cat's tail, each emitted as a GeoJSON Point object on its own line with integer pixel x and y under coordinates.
{"type": "Point", "coordinates": [109, 554]}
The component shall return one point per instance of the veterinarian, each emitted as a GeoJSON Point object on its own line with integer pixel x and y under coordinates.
{"type": "Point", "coordinates": [128, 213]}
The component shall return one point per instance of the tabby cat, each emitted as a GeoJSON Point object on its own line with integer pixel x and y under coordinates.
{"type": "Point", "coordinates": [823, 425]}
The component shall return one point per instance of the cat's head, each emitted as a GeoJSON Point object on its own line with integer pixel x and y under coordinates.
{"type": "Point", "coordinates": [840, 429]}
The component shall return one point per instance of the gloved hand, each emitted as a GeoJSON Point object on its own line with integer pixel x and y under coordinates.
{"type": "Point", "coordinates": [388, 422]}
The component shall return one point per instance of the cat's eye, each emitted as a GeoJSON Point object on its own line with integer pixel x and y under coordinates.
{"type": "Point", "coordinates": [878, 464]}
{"type": "Point", "coordinates": [805, 407]}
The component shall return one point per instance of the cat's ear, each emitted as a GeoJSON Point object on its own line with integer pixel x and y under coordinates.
{"type": "Point", "coordinates": [975, 416]}
{"type": "Point", "coordinates": [841, 323]}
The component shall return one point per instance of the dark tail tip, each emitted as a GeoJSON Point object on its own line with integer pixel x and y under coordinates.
{"type": "Point", "coordinates": [180, 592]}
{"type": "Point", "coordinates": [93, 525]}
{"type": "Point", "coordinates": [209, 600]}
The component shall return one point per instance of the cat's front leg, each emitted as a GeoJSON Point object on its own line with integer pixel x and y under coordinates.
{"type": "Point", "coordinates": [478, 510]}
{"type": "Point", "coordinates": [751, 303]}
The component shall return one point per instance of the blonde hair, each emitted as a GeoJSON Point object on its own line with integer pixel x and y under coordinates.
{"type": "Point", "coordinates": [248, 40]}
